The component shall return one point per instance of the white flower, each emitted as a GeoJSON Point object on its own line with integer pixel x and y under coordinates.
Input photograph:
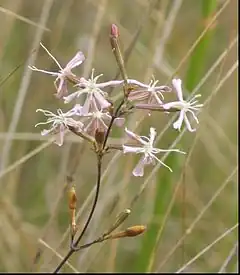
{"type": "Point", "coordinates": [60, 123]}
{"type": "Point", "coordinates": [152, 94]}
{"type": "Point", "coordinates": [184, 107]}
{"type": "Point", "coordinates": [95, 96]}
{"type": "Point", "coordinates": [146, 148]}
{"type": "Point", "coordinates": [63, 73]}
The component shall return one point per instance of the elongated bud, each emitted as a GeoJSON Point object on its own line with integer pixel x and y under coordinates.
{"type": "Point", "coordinates": [72, 198]}
{"type": "Point", "coordinates": [114, 30]}
{"type": "Point", "coordinates": [135, 230]}
{"type": "Point", "coordinates": [72, 204]}
{"type": "Point", "coordinates": [132, 231]}
{"type": "Point", "coordinates": [119, 220]}
{"type": "Point", "coordinates": [117, 52]}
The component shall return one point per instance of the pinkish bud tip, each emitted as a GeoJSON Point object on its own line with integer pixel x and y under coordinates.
{"type": "Point", "coordinates": [114, 30]}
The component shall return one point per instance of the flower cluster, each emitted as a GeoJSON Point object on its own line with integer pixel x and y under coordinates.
{"type": "Point", "coordinates": [95, 112]}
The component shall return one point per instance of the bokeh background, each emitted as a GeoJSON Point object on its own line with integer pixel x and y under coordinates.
{"type": "Point", "coordinates": [194, 40]}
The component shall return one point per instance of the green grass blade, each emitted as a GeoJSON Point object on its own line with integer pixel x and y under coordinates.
{"type": "Point", "coordinates": [199, 56]}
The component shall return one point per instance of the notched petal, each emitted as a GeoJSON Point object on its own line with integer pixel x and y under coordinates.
{"type": "Point", "coordinates": [75, 61]}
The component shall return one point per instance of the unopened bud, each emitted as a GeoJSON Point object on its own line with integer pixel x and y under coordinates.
{"type": "Point", "coordinates": [129, 232]}
{"type": "Point", "coordinates": [135, 230]}
{"type": "Point", "coordinates": [119, 220]}
{"type": "Point", "coordinates": [72, 198]}
{"type": "Point", "coordinates": [114, 30]}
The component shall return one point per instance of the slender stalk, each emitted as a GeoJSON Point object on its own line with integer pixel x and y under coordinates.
{"type": "Point", "coordinates": [74, 245]}
{"type": "Point", "coordinates": [94, 203]}
{"type": "Point", "coordinates": [114, 116]}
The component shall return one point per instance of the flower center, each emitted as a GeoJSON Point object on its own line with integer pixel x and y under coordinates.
{"type": "Point", "coordinates": [147, 148]}
{"type": "Point", "coordinates": [97, 114]}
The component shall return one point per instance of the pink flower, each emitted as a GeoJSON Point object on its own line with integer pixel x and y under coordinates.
{"type": "Point", "coordinates": [152, 94]}
{"type": "Point", "coordinates": [185, 107]}
{"type": "Point", "coordinates": [64, 73]}
{"type": "Point", "coordinates": [94, 95]}
{"type": "Point", "coordinates": [147, 150]}
{"type": "Point", "coordinates": [99, 120]}
{"type": "Point", "coordinates": [60, 123]}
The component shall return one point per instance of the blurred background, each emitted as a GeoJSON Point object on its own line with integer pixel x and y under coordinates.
{"type": "Point", "coordinates": [194, 40]}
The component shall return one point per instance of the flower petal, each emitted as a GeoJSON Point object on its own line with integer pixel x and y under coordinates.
{"type": "Point", "coordinates": [152, 135]}
{"type": "Point", "coordinates": [138, 95]}
{"type": "Point", "coordinates": [75, 61]}
{"type": "Point", "coordinates": [70, 97]}
{"type": "Point", "coordinates": [174, 104]}
{"type": "Point", "coordinates": [138, 171]}
{"type": "Point", "coordinates": [178, 123]}
{"type": "Point", "coordinates": [45, 132]}
{"type": "Point", "coordinates": [103, 103]}
{"type": "Point", "coordinates": [62, 87]}
{"type": "Point", "coordinates": [76, 110]}
{"type": "Point", "coordinates": [87, 104]}
{"type": "Point", "coordinates": [132, 149]}
{"type": "Point", "coordinates": [134, 136]}
{"type": "Point", "coordinates": [189, 127]}
{"type": "Point", "coordinates": [177, 83]}
{"type": "Point", "coordinates": [60, 136]}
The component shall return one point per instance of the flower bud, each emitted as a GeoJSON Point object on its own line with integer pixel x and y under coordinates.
{"type": "Point", "coordinates": [135, 230]}
{"type": "Point", "coordinates": [72, 198]}
{"type": "Point", "coordinates": [129, 232]}
{"type": "Point", "coordinates": [114, 30]}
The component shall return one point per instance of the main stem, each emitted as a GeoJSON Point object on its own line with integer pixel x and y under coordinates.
{"type": "Point", "coordinates": [72, 249]}
{"type": "Point", "coordinates": [120, 61]}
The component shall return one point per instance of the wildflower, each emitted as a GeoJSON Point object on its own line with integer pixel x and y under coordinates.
{"type": "Point", "coordinates": [184, 107]}
{"type": "Point", "coordinates": [95, 96]}
{"type": "Point", "coordinates": [146, 148]}
{"type": "Point", "coordinates": [60, 123]}
{"type": "Point", "coordinates": [152, 94]}
{"type": "Point", "coordinates": [64, 73]}
{"type": "Point", "coordinates": [99, 120]}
